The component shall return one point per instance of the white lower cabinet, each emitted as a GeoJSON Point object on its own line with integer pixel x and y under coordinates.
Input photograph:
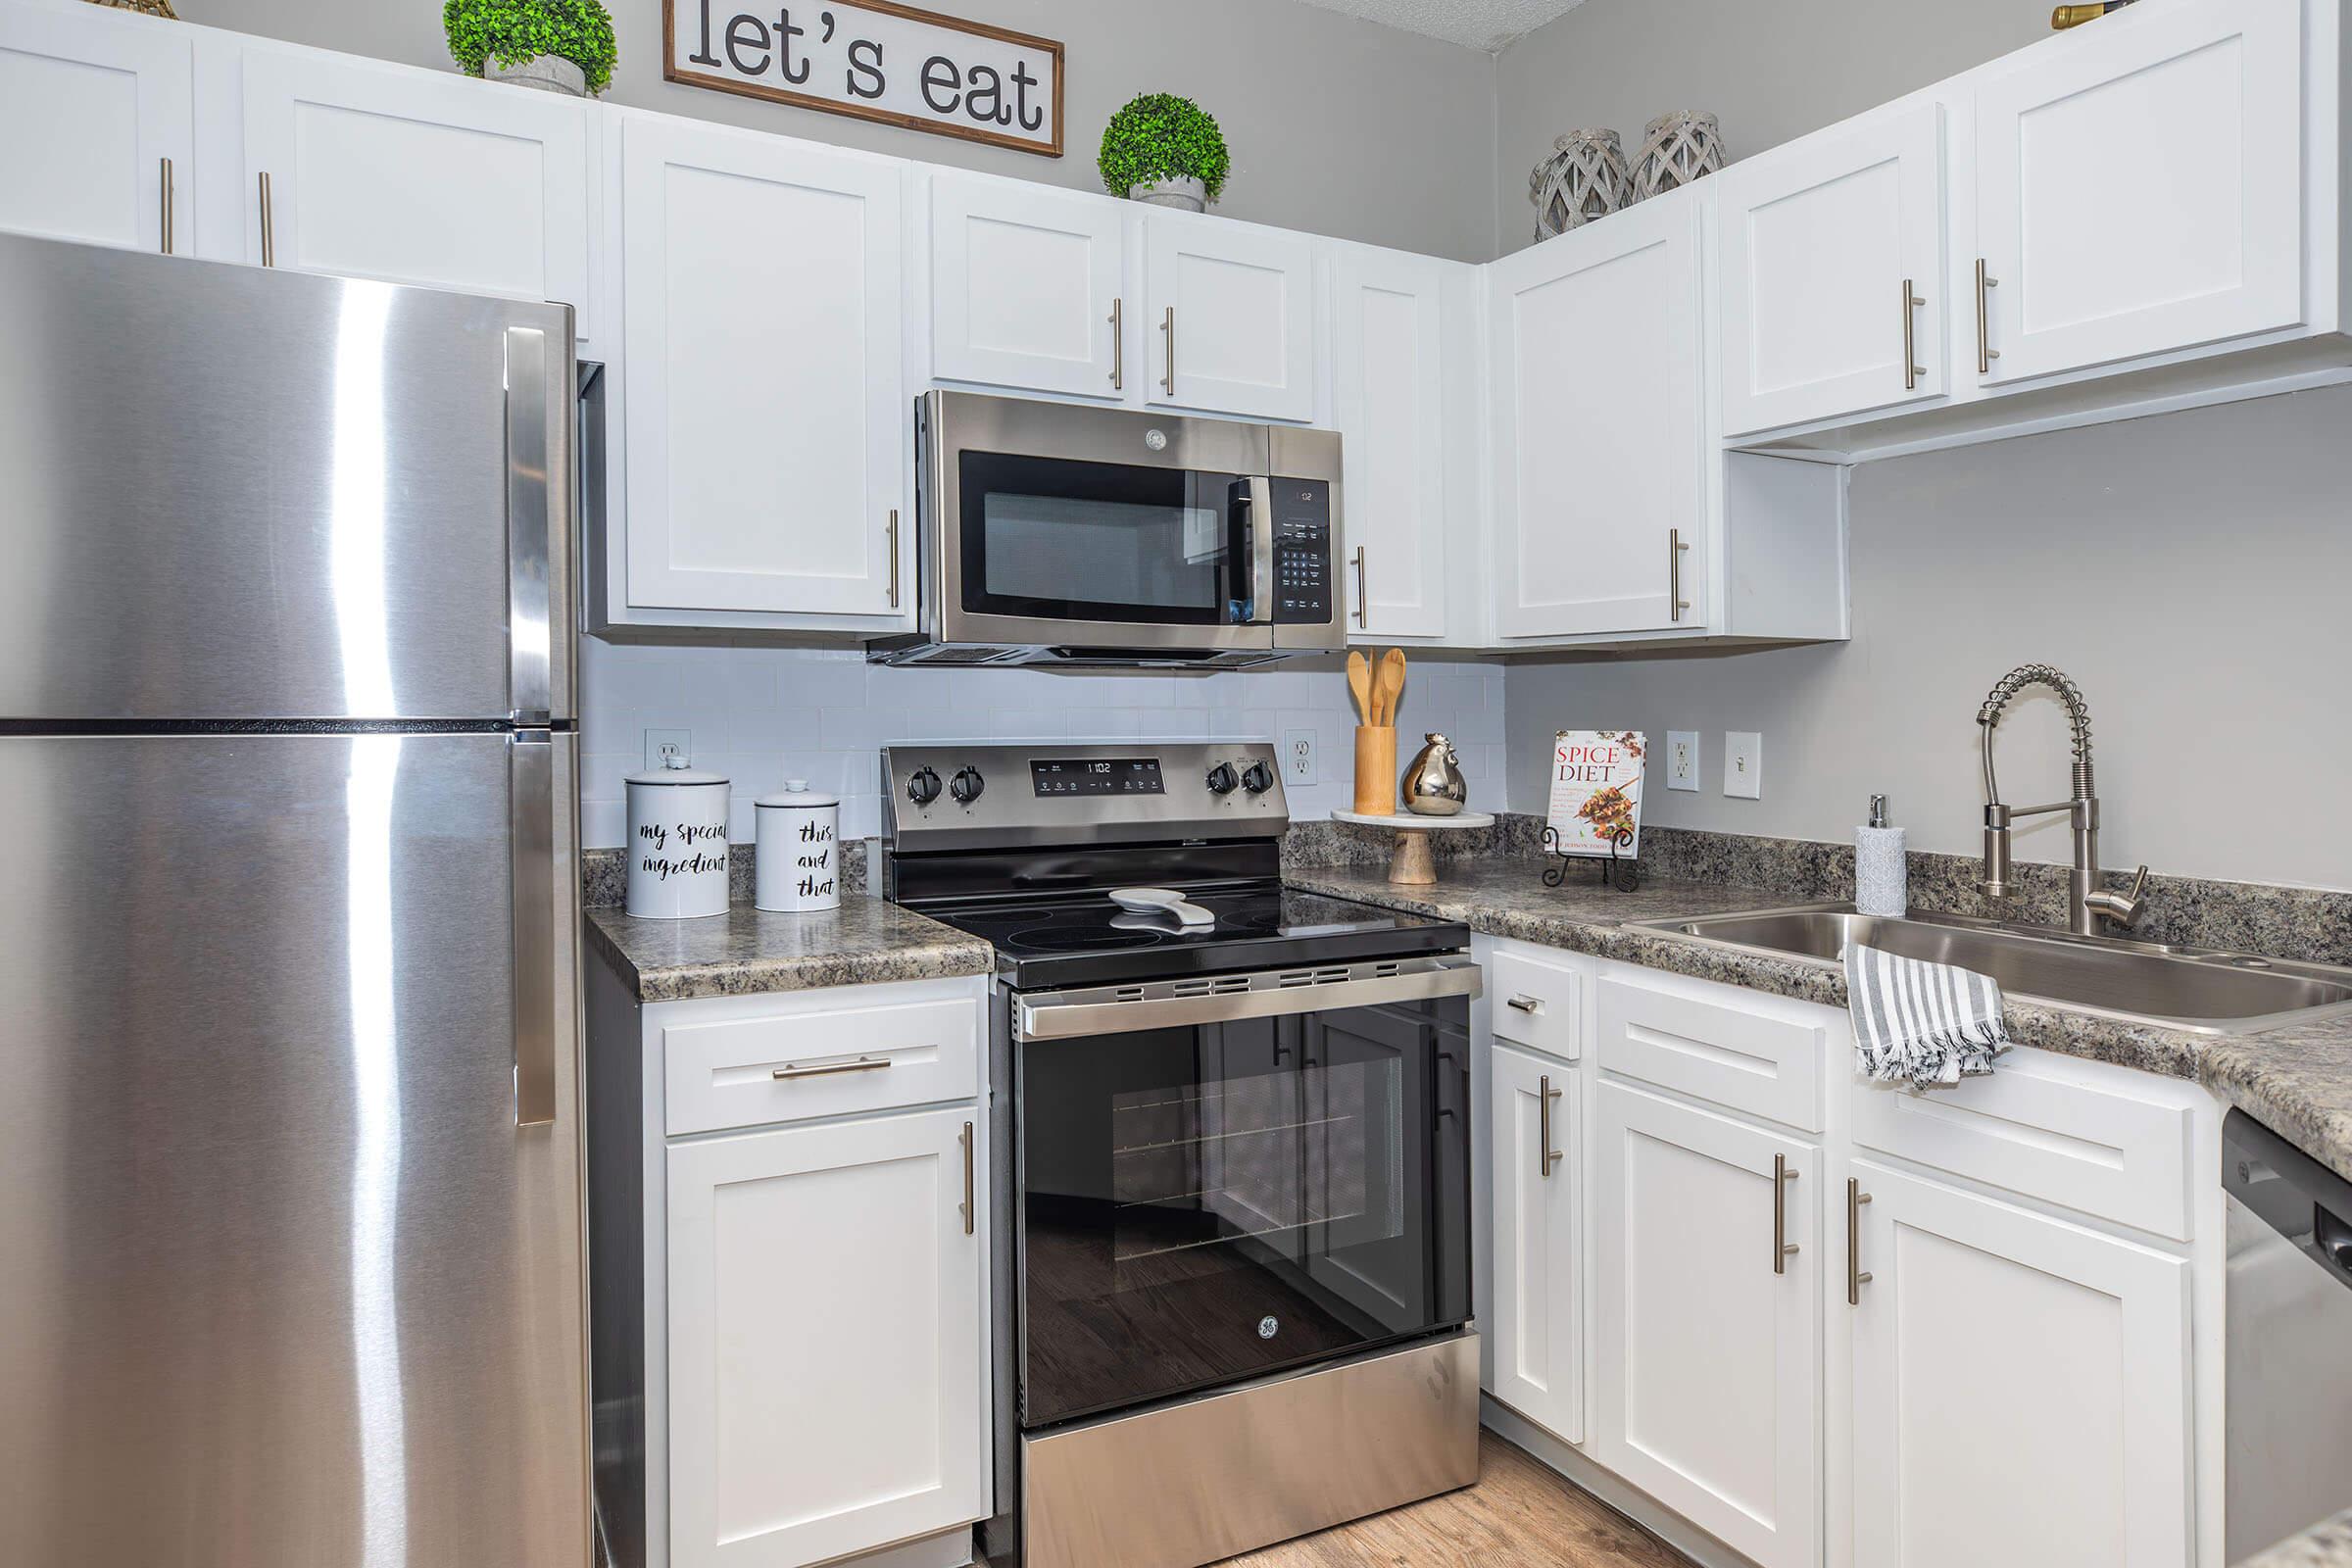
{"type": "Point", "coordinates": [826, 1377]}
{"type": "Point", "coordinates": [1535, 1320]}
{"type": "Point", "coordinates": [2022, 1388]}
{"type": "Point", "coordinates": [1705, 1333]}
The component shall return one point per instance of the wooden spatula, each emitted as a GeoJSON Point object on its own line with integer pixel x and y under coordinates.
{"type": "Point", "coordinates": [1359, 682]}
{"type": "Point", "coordinates": [1391, 687]}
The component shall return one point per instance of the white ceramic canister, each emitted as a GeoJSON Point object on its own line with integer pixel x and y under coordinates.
{"type": "Point", "coordinates": [799, 863]}
{"type": "Point", "coordinates": [677, 844]}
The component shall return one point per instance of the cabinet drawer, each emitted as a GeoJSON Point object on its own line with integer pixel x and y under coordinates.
{"type": "Point", "coordinates": [2046, 1127]}
{"type": "Point", "coordinates": [817, 1062]}
{"type": "Point", "coordinates": [1747, 1055]}
{"type": "Point", "coordinates": [1537, 1003]}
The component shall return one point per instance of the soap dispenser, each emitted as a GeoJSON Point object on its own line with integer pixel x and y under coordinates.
{"type": "Point", "coordinates": [1882, 870]}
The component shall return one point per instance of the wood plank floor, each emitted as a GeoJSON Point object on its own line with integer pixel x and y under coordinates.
{"type": "Point", "coordinates": [1518, 1513]}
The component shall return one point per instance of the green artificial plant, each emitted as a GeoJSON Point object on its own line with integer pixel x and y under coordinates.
{"type": "Point", "coordinates": [1160, 136]}
{"type": "Point", "coordinates": [512, 31]}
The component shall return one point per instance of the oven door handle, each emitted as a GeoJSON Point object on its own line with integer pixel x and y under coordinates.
{"type": "Point", "coordinates": [1067, 1014]}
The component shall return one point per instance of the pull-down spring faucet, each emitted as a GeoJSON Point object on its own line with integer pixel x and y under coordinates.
{"type": "Point", "coordinates": [2088, 903]}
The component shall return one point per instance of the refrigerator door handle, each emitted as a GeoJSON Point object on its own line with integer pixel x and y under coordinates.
{"type": "Point", "coordinates": [532, 804]}
{"type": "Point", "coordinates": [530, 606]}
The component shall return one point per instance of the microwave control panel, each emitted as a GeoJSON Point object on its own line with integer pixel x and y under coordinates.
{"type": "Point", "coordinates": [1303, 568]}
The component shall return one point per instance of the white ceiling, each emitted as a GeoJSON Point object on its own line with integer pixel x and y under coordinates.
{"type": "Point", "coordinates": [1486, 24]}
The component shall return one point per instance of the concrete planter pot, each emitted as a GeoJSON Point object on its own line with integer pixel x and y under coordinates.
{"type": "Point", "coordinates": [544, 73]}
{"type": "Point", "coordinates": [1186, 195]}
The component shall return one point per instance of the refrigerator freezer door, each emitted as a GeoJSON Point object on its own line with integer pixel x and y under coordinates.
{"type": "Point", "coordinates": [282, 1282]}
{"type": "Point", "coordinates": [236, 493]}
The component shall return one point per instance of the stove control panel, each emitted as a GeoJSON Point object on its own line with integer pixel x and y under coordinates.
{"type": "Point", "coordinates": [967, 795]}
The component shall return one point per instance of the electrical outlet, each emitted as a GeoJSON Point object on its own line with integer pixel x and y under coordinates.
{"type": "Point", "coordinates": [1299, 758]}
{"type": "Point", "coordinates": [660, 745]}
{"type": "Point", "coordinates": [1682, 759]}
{"type": "Point", "coordinates": [1743, 764]}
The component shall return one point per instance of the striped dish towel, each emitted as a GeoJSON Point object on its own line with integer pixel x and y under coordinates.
{"type": "Point", "coordinates": [1922, 1024]}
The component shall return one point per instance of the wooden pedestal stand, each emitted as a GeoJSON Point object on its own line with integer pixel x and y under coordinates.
{"type": "Point", "coordinates": [1412, 864]}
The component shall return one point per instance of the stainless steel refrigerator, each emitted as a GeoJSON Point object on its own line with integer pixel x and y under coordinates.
{"type": "Point", "coordinates": [290, 1238]}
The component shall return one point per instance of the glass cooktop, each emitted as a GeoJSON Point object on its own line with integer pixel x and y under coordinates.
{"type": "Point", "coordinates": [1087, 939]}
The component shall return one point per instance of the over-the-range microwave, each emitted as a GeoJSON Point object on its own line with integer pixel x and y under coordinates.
{"type": "Point", "coordinates": [1053, 533]}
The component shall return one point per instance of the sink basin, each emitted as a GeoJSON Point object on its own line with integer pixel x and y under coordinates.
{"type": "Point", "coordinates": [2178, 988]}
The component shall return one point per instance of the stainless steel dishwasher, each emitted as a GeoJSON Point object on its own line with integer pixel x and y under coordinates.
{"type": "Point", "coordinates": [2289, 1362]}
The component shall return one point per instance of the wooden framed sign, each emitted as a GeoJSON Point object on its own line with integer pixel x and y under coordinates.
{"type": "Point", "coordinates": [877, 61]}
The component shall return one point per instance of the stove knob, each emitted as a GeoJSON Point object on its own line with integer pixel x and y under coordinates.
{"type": "Point", "coordinates": [924, 787]}
{"type": "Point", "coordinates": [966, 786]}
{"type": "Point", "coordinates": [1222, 778]}
{"type": "Point", "coordinates": [1258, 778]}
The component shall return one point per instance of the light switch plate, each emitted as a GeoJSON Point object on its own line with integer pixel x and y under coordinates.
{"type": "Point", "coordinates": [1682, 759]}
{"type": "Point", "coordinates": [1743, 764]}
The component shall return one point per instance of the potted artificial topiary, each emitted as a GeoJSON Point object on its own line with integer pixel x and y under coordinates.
{"type": "Point", "coordinates": [1164, 150]}
{"type": "Point", "coordinates": [561, 46]}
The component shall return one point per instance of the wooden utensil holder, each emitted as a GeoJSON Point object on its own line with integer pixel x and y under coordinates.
{"type": "Point", "coordinates": [1376, 769]}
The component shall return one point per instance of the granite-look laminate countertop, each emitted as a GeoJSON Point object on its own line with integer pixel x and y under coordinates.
{"type": "Point", "coordinates": [2325, 1544]}
{"type": "Point", "coordinates": [2295, 1080]}
{"type": "Point", "coordinates": [745, 950]}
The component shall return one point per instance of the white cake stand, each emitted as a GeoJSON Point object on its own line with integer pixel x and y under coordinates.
{"type": "Point", "coordinates": [1412, 864]}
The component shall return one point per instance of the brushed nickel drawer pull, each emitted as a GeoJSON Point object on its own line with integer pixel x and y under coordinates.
{"type": "Point", "coordinates": [1551, 1156]}
{"type": "Point", "coordinates": [828, 1069]}
{"type": "Point", "coordinates": [1855, 1278]}
{"type": "Point", "coordinates": [1986, 352]}
{"type": "Point", "coordinates": [1119, 345]}
{"type": "Point", "coordinates": [269, 226]}
{"type": "Point", "coordinates": [1675, 602]}
{"type": "Point", "coordinates": [1167, 329]}
{"type": "Point", "coordinates": [1912, 369]}
{"type": "Point", "coordinates": [971, 1216]}
{"type": "Point", "coordinates": [1525, 1004]}
{"type": "Point", "coordinates": [167, 196]}
{"type": "Point", "coordinates": [1783, 1248]}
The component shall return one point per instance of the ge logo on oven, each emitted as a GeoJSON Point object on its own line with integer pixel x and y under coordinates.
{"type": "Point", "coordinates": [1268, 1326]}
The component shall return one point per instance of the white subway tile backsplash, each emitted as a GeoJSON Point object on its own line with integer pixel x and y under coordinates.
{"type": "Point", "coordinates": [766, 715]}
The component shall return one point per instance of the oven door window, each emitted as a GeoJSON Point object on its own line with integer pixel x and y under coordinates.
{"type": "Point", "coordinates": [1207, 1204]}
{"type": "Point", "coordinates": [1061, 540]}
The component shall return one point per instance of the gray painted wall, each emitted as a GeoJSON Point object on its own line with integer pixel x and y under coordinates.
{"type": "Point", "coordinates": [1338, 127]}
{"type": "Point", "coordinates": [1770, 73]}
{"type": "Point", "coordinates": [2190, 571]}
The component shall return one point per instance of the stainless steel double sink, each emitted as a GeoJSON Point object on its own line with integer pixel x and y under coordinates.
{"type": "Point", "coordinates": [2195, 989]}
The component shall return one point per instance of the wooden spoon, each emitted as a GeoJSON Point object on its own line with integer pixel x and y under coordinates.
{"type": "Point", "coordinates": [1391, 686]}
{"type": "Point", "coordinates": [1359, 682]}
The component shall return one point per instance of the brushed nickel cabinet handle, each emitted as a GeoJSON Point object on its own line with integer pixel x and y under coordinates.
{"type": "Point", "coordinates": [1986, 352]}
{"type": "Point", "coordinates": [269, 226]}
{"type": "Point", "coordinates": [1525, 1004]}
{"type": "Point", "coordinates": [1912, 369]}
{"type": "Point", "coordinates": [1675, 604]}
{"type": "Point", "coordinates": [1783, 1248]}
{"type": "Point", "coordinates": [1363, 592]}
{"type": "Point", "coordinates": [890, 532]}
{"type": "Point", "coordinates": [1551, 1156]}
{"type": "Point", "coordinates": [971, 1216]}
{"type": "Point", "coordinates": [167, 206]}
{"type": "Point", "coordinates": [1855, 1278]}
{"type": "Point", "coordinates": [1119, 345]}
{"type": "Point", "coordinates": [1167, 329]}
{"type": "Point", "coordinates": [827, 1069]}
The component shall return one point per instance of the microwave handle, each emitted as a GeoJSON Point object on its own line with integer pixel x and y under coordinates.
{"type": "Point", "coordinates": [1257, 502]}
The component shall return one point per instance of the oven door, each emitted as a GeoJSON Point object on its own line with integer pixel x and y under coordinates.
{"type": "Point", "coordinates": [1214, 1187]}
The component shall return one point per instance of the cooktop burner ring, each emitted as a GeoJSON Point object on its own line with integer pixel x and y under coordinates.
{"type": "Point", "coordinates": [1084, 939]}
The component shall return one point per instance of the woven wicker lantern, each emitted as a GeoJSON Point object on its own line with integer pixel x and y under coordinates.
{"type": "Point", "coordinates": [1585, 178]}
{"type": "Point", "coordinates": [1677, 149]}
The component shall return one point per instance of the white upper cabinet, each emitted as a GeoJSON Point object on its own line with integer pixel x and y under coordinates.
{"type": "Point", "coordinates": [92, 108]}
{"type": "Point", "coordinates": [1536, 1318]}
{"type": "Point", "coordinates": [1388, 386]}
{"type": "Point", "coordinates": [827, 1385]}
{"type": "Point", "coordinates": [416, 177]}
{"type": "Point", "coordinates": [1989, 1345]}
{"type": "Point", "coordinates": [1832, 274]}
{"type": "Point", "coordinates": [1600, 427]}
{"type": "Point", "coordinates": [1026, 287]}
{"type": "Point", "coordinates": [2139, 189]}
{"type": "Point", "coordinates": [768, 438]}
{"type": "Point", "coordinates": [1229, 312]}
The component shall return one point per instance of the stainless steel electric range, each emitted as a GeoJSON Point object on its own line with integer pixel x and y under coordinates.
{"type": "Point", "coordinates": [1232, 1140]}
